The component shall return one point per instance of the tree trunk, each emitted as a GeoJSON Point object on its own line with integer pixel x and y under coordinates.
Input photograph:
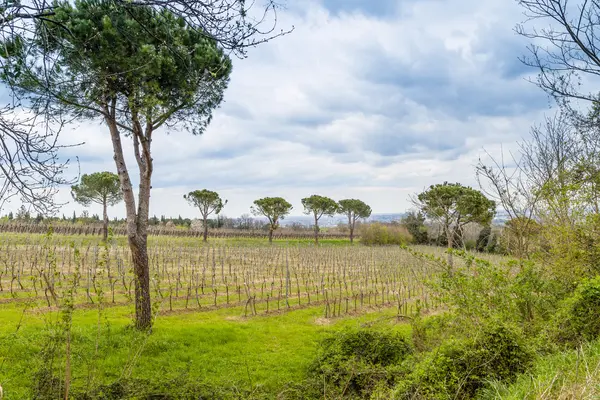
{"type": "Point", "coordinates": [450, 237]}
{"type": "Point", "coordinates": [105, 222]}
{"type": "Point", "coordinates": [316, 231]}
{"type": "Point", "coordinates": [271, 235]}
{"type": "Point", "coordinates": [139, 247]}
{"type": "Point", "coordinates": [137, 220]}
{"type": "Point", "coordinates": [351, 226]}
{"type": "Point", "coordinates": [205, 225]}
{"type": "Point", "coordinates": [143, 307]}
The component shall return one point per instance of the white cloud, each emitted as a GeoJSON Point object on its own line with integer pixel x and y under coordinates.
{"type": "Point", "coordinates": [348, 105]}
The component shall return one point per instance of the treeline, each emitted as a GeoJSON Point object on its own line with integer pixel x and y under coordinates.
{"type": "Point", "coordinates": [243, 223]}
{"type": "Point", "coordinates": [413, 228]}
{"type": "Point", "coordinates": [121, 230]}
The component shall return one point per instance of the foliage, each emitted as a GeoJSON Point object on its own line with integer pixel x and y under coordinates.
{"type": "Point", "coordinates": [519, 235]}
{"type": "Point", "coordinates": [206, 201]}
{"type": "Point", "coordinates": [458, 369]}
{"type": "Point", "coordinates": [570, 251]}
{"type": "Point", "coordinates": [354, 210]}
{"type": "Point", "coordinates": [319, 206]}
{"type": "Point", "coordinates": [274, 208]}
{"type": "Point", "coordinates": [493, 246]}
{"type": "Point", "coordinates": [353, 362]}
{"type": "Point", "coordinates": [454, 205]}
{"type": "Point", "coordinates": [378, 234]}
{"type": "Point", "coordinates": [570, 374]}
{"type": "Point", "coordinates": [483, 239]}
{"type": "Point", "coordinates": [101, 187]}
{"type": "Point", "coordinates": [578, 317]}
{"type": "Point", "coordinates": [428, 332]}
{"type": "Point", "coordinates": [479, 292]}
{"type": "Point", "coordinates": [415, 224]}
{"type": "Point", "coordinates": [103, 51]}
{"type": "Point", "coordinates": [442, 239]}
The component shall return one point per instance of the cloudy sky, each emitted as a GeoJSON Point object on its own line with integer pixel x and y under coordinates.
{"type": "Point", "coordinates": [369, 99]}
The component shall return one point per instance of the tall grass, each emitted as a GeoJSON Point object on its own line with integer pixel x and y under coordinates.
{"type": "Point", "coordinates": [569, 375]}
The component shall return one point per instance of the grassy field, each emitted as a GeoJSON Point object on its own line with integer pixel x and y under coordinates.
{"type": "Point", "coordinates": [234, 319]}
{"type": "Point", "coordinates": [266, 354]}
{"type": "Point", "coordinates": [223, 319]}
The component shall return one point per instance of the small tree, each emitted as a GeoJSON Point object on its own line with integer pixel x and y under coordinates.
{"type": "Point", "coordinates": [414, 222]}
{"type": "Point", "coordinates": [207, 202]}
{"type": "Point", "coordinates": [274, 208]}
{"type": "Point", "coordinates": [453, 206]}
{"type": "Point", "coordinates": [102, 188]}
{"type": "Point", "coordinates": [319, 206]}
{"type": "Point", "coordinates": [353, 209]}
{"type": "Point", "coordinates": [22, 213]}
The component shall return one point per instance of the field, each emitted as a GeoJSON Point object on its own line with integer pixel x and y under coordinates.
{"type": "Point", "coordinates": [235, 314]}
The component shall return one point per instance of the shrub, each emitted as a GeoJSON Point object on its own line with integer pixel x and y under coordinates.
{"type": "Point", "coordinates": [458, 369]}
{"type": "Point", "coordinates": [378, 234]}
{"type": "Point", "coordinates": [178, 388]}
{"type": "Point", "coordinates": [483, 239]}
{"type": "Point", "coordinates": [478, 292]}
{"type": "Point", "coordinates": [354, 362]}
{"type": "Point", "coordinates": [578, 317]}
{"type": "Point", "coordinates": [415, 224]}
{"type": "Point", "coordinates": [493, 246]}
{"type": "Point", "coordinates": [429, 332]}
{"type": "Point", "coordinates": [470, 245]}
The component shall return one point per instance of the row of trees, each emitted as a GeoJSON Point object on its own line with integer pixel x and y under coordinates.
{"type": "Point", "coordinates": [276, 209]}
{"type": "Point", "coordinates": [104, 188]}
{"type": "Point", "coordinates": [452, 205]}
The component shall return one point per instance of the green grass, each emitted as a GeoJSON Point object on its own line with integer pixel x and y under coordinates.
{"type": "Point", "coordinates": [572, 374]}
{"type": "Point", "coordinates": [262, 355]}
{"type": "Point", "coordinates": [219, 347]}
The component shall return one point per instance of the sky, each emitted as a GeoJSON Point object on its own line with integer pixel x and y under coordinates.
{"type": "Point", "coordinates": [368, 99]}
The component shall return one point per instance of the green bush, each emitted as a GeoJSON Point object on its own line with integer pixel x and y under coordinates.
{"type": "Point", "coordinates": [429, 332]}
{"type": "Point", "coordinates": [458, 369]}
{"type": "Point", "coordinates": [415, 224]}
{"type": "Point", "coordinates": [378, 234]}
{"type": "Point", "coordinates": [578, 317]}
{"type": "Point", "coordinates": [483, 239]}
{"type": "Point", "coordinates": [478, 291]}
{"type": "Point", "coordinates": [470, 245]}
{"type": "Point", "coordinates": [180, 388]}
{"type": "Point", "coordinates": [352, 363]}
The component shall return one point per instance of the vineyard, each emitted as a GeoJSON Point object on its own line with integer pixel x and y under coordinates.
{"type": "Point", "coordinates": [96, 230]}
{"type": "Point", "coordinates": [259, 279]}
